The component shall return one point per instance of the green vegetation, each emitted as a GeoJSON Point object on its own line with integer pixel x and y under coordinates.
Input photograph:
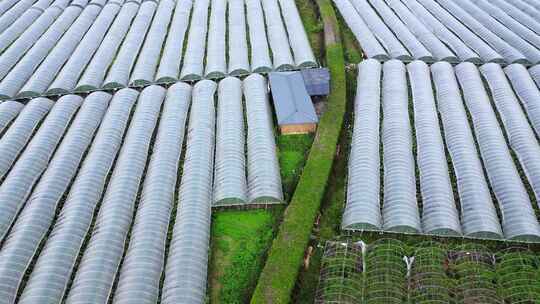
{"type": "Point", "coordinates": [428, 282]}
{"type": "Point", "coordinates": [353, 52]}
{"type": "Point", "coordinates": [282, 267]}
{"type": "Point", "coordinates": [433, 272]}
{"type": "Point", "coordinates": [343, 275]}
{"type": "Point", "coordinates": [386, 280]}
{"type": "Point", "coordinates": [312, 25]}
{"type": "Point", "coordinates": [518, 276]}
{"type": "Point", "coordinates": [333, 203]}
{"type": "Point", "coordinates": [293, 150]}
{"type": "Point", "coordinates": [239, 242]}
{"type": "Point", "coordinates": [241, 239]}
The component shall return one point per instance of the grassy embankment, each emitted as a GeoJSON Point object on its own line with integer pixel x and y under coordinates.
{"type": "Point", "coordinates": [241, 239]}
{"type": "Point", "coordinates": [280, 273]}
{"type": "Point", "coordinates": [330, 214]}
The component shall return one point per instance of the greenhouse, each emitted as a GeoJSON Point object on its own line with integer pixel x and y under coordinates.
{"type": "Point", "coordinates": [428, 272]}
{"type": "Point", "coordinates": [470, 132]}
{"type": "Point", "coordinates": [119, 145]}
{"type": "Point", "coordinates": [444, 30]}
{"type": "Point", "coordinates": [87, 45]}
{"type": "Point", "coordinates": [270, 151]}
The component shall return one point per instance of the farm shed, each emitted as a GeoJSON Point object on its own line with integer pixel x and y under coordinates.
{"type": "Point", "coordinates": [294, 109]}
{"type": "Point", "coordinates": [317, 81]}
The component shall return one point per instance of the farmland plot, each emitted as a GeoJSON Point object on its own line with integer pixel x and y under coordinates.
{"type": "Point", "coordinates": [457, 157]}
{"type": "Point", "coordinates": [445, 30]}
{"type": "Point", "coordinates": [92, 188]}
{"type": "Point", "coordinates": [84, 46]}
{"type": "Point", "coordinates": [390, 271]}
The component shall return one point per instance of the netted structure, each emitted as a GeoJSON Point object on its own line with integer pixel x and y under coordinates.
{"type": "Point", "coordinates": [518, 279]}
{"type": "Point", "coordinates": [428, 282]}
{"type": "Point", "coordinates": [360, 273]}
{"type": "Point", "coordinates": [385, 273]}
{"type": "Point", "coordinates": [430, 272]}
{"type": "Point", "coordinates": [474, 272]}
{"type": "Point", "coordinates": [342, 273]}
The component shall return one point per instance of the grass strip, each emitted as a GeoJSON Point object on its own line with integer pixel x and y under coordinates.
{"type": "Point", "coordinates": [238, 239]}
{"type": "Point", "coordinates": [285, 257]}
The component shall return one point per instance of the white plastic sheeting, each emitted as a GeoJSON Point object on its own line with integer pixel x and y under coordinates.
{"type": "Point", "coordinates": [532, 3]}
{"type": "Point", "coordinates": [260, 54]}
{"type": "Point", "coordinates": [517, 215]}
{"type": "Point", "coordinates": [417, 49]}
{"type": "Point", "coordinates": [17, 136]}
{"type": "Point", "coordinates": [20, 71]}
{"type": "Point", "coordinates": [303, 55]}
{"type": "Point", "coordinates": [238, 49]}
{"type": "Point", "coordinates": [187, 262]}
{"type": "Point", "coordinates": [277, 36]}
{"type": "Point", "coordinates": [502, 47]}
{"type": "Point", "coordinates": [362, 210]}
{"type": "Point", "coordinates": [80, 3]}
{"type": "Point", "coordinates": [439, 213]}
{"type": "Point", "coordinates": [230, 186]}
{"type": "Point", "coordinates": [53, 268]}
{"type": "Point", "coordinates": [400, 209]}
{"type": "Point", "coordinates": [169, 66]}
{"type": "Point", "coordinates": [139, 282]}
{"type": "Point", "coordinates": [535, 74]}
{"type": "Point", "coordinates": [119, 72]}
{"type": "Point", "coordinates": [439, 50]}
{"type": "Point", "coordinates": [368, 42]}
{"type": "Point", "coordinates": [9, 17]}
{"type": "Point", "coordinates": [380, 30]}
{"type": "Point", "coordinates": [18, 27]}
{"type": "Point", "coordinates": [472, 167]}
{"type": "Point", "coordinates": [25, 173]}
{"type": "Point", "coordinates": [478, 215]}
{"type": "Point", "coordinates": [32, 224]}
{"type": "Point", "coordinates": [95, 276]}
{"type": "Point", "coordinates": [527, 92]}
{"type": "Point", "coordinates": [454, 42]}
{"type": "Point", "coordinates": [8, 111]}
{"type": "Point", "coordinates": [66, 80]}
{"type": "Point", "coordinates": [483, 49]}
{"type": "Point", "coordinates": [44, 75]}
{"type": "Point", "coordinates": [451, 30]}
{"type": "Point", "coordinates": [530, 52]}
{"type": "Point", "coordinates": [26, 37]}
{"type": "Point", "coordinates": [520, 134]}
{"type": "Point", "coordinates": [94, 73]}
{"type": "Point", "coordinates": [524, 13]}
{"type": "Point", "coordinates": [216, 63]}
{"type": "Point", "coordinates": [264, 180]}
{"type": "Point", "coordinates": [80, 48]}
{"type": "Point", "coordinates": [521, 16]}
{"type": "Point", "coordinates": [6, 4]}
{"type": "Point", "coordinates": [518, 28]}
{"type": "Point", "coordinates": [145, 69]}
{"type": "Point", "coordinates": [192, 68]}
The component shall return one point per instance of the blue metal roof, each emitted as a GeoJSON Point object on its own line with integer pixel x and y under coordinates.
{"type": "Point", "coordinates": [291, 100]}
{"type": "Point", "coordinates": [317, 81]}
